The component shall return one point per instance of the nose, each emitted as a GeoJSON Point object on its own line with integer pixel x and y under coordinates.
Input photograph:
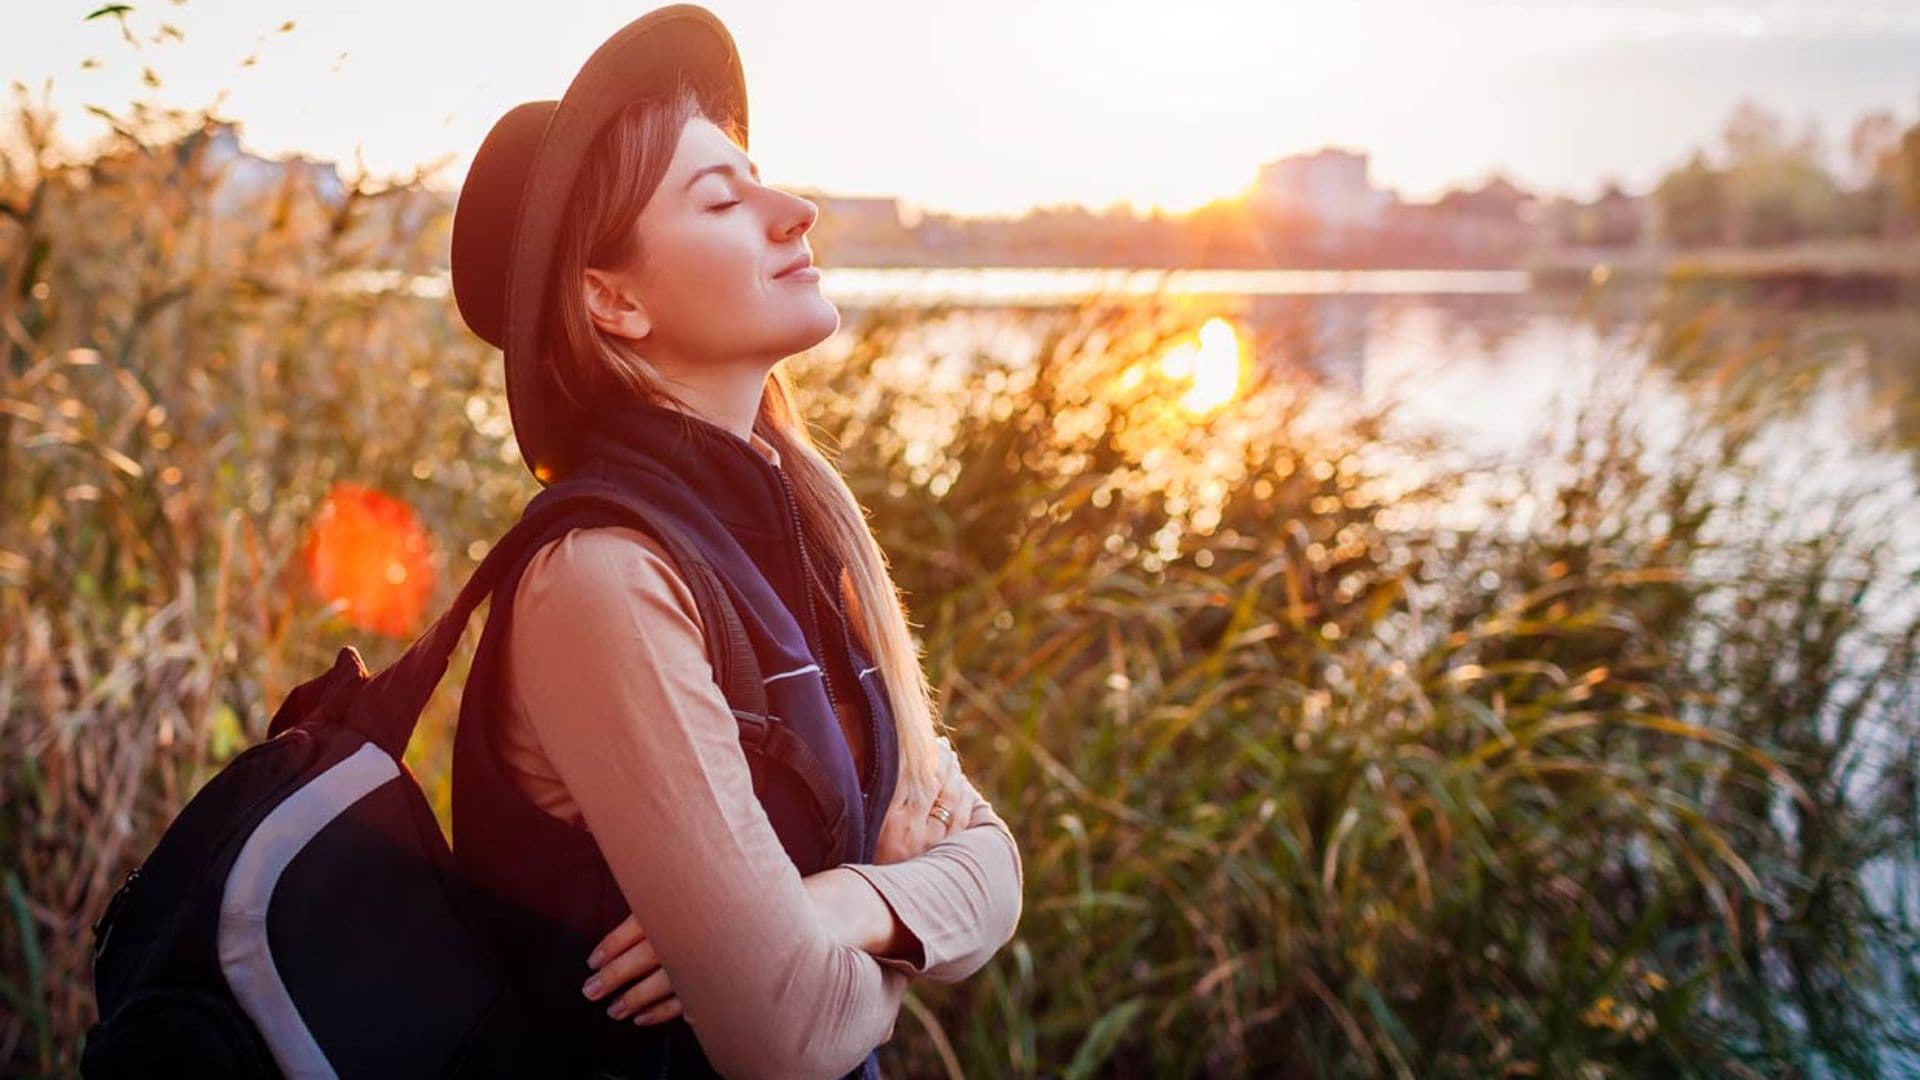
{"type": "Point", "coordinates": [795, 217]}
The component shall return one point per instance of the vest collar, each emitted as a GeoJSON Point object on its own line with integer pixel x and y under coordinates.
{"type": "Point", "coordinates": [740, 479]}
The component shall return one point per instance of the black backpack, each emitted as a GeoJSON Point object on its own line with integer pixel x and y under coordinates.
{"type": "Point", "coordinates": [303, 915]}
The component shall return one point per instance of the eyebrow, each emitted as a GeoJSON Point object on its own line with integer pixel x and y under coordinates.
{"type": "Point", "coordinates": [724, 167]}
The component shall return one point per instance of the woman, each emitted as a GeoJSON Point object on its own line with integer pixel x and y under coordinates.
{"type": "Point", "coordinates": [748, 914]}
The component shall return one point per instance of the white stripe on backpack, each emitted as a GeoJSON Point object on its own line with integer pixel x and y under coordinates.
{"type": "Point", "coordinates": [245, 958]}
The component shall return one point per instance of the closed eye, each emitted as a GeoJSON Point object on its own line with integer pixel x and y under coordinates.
{"type": "Point", "coordinates": [723, 206]}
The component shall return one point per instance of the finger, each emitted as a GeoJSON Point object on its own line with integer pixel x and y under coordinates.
{"type": "Point", "coordinates": [622, 969]}
{"type": "Point", "coordinates": [954, 786]}
{"type": "Point", "coordinates": [664, 1011]}
{"type": "Point", "coordinates": [640, 995]}
{"type": "Point", "coordinates": [950, 766]}
{"type": "Point", "coordinates": [960, 798]}
{"type": "Point", "coordinates": [957, 812]}
{"type": "Point", "coordinates": [943, 786]}
{"type": "Point", "coordinates": [618, 940]}
{"type": "Point", "coordinates": [965, 785]}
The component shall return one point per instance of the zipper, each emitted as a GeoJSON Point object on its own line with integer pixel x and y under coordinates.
{"type": "Point", "coordinates": [806, 589]}
{"type": "Point", "coordinates": [868, 788]}
{"type": "Point", "coordinates": [873, 706]}
{"type": "Point", "coordinates": [106, 919]}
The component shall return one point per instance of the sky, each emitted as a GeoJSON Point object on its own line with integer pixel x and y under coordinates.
{"type": "Point", "coordinates": [996, 106]}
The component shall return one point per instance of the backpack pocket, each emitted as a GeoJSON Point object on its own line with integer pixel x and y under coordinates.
{"type": "Point", "coordinates": [170, 1031]}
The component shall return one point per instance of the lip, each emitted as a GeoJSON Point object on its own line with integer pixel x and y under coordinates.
{"type": "Point", "coordinates": [801, 267]}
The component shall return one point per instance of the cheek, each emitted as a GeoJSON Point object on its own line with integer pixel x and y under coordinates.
{"type": "Point", "coordinates": [707, 276]}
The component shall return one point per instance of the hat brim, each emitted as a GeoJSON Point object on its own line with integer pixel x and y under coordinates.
{"type": "Point", "coordinates": [642, 59]}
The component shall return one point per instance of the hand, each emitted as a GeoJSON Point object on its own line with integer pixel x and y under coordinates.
{"type": "Point", "coordinates": [910, 828]}
{"type": "Point", "coordinates": [626, 955]}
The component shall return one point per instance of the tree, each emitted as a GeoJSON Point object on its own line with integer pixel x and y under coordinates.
{"type": "Point", "coordinates": [1777, 190]}
{"type": "Point", "coordinates": [1874, 139]}
{"type": "Point", "coordinates": [1872, 150]}
{"type": "Point", "coordinates": [1690, 203]}
{"type": "Point", "coordinates": [1752, 133]}
{"type": "Point", "coordinates": [1906, 173]}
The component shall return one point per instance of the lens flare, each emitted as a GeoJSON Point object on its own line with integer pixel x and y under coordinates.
{"type": "Point", "coordinates": [368, 550]}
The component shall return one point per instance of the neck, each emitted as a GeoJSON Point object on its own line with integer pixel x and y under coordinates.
{"type": "Point", "coordinates": [724, 400]}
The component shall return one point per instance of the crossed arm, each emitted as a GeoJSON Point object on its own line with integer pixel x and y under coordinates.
{"type": "Point", "coordinates": [609, 663]}
{"type": "Point", "coordinates": [942, 914]}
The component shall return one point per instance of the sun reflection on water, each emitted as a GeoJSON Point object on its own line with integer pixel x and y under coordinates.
{"type": "Point", "coordinates": [1212, 364]}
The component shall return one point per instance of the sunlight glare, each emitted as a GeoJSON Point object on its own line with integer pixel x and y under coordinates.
{"type": "Point", "coordinates": [1212, 365]}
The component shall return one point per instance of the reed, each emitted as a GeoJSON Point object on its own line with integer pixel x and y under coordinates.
{"type": "Point", "coordinates": [1330, 752]}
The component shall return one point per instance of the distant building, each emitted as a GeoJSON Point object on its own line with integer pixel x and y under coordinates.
{"type": "Point", "coordinates": [863, 229]}
{"type": "Point", "coordinates": [1487, 226]}
{"type": "Point", "coordinates": [1620, 219]}
{"type": "Point", "coordinates": [1499, 198]}
{"type": "Point", "coordinates": [244, 196]}
{"type": "Point", "coordinates": [862, 213]}
{"type": "Point", "coordinates": [1616, 221]}
{"type": "Point", "coordinates": [1332, 184]}
{"type": "Point", "coordinates": [246, 178]}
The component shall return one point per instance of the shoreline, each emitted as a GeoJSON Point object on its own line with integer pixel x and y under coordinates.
{"type": "Point", "coordinates": [1877, 273]}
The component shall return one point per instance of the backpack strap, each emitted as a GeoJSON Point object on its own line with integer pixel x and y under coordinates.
{"type": "Point", "coordinates": [728, 647]}
{"type": "Point", "coordinates": [386, 708]}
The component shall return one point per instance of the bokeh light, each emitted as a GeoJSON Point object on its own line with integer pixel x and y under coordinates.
{"type": "Point", "coordinates": [368, 551]}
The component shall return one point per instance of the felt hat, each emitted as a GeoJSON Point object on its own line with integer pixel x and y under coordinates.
{"type": "Point", "coordinates": [506, 222]}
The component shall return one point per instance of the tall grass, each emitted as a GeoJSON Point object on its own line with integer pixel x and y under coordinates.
{"type": "Point", "coordinates": [1337, 791]}
{"type": "Point", "coordinates": [1313, 773]}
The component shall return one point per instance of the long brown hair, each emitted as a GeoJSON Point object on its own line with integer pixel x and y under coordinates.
{"type": "Point", "coordinates": [617, 179]}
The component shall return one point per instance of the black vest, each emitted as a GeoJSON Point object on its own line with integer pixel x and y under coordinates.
{"type": "Point", "coordinates": [551, 894]}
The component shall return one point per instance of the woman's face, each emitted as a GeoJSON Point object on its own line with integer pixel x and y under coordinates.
{"type": "Point", "coordinates": [703, 293]}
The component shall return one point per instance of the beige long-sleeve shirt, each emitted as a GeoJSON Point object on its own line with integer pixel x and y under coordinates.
{"type": "Point", "coordinates": [613, 721]}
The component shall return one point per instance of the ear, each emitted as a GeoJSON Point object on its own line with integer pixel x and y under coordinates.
{"type": "Point", "coordinates": [612, 306]}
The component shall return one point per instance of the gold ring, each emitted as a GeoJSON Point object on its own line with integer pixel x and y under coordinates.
{"type": "Point", "coordinates": [945, 815]}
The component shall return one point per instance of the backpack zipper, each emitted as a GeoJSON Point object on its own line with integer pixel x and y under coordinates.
{"type": "Point", "coordinates": [106, 919]}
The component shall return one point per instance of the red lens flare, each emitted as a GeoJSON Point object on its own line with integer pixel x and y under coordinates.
{"type": "Point", "coordinates": [368, 549]}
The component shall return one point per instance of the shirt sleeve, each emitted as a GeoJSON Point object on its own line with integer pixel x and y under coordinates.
{"type": "Point", "coordinates": [609, 663]}
{"type": "Point", "coordinates": [960, 898]}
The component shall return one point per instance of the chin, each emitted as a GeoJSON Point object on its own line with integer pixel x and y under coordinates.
{"type": "Point", "coordinates": [817, 324]}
